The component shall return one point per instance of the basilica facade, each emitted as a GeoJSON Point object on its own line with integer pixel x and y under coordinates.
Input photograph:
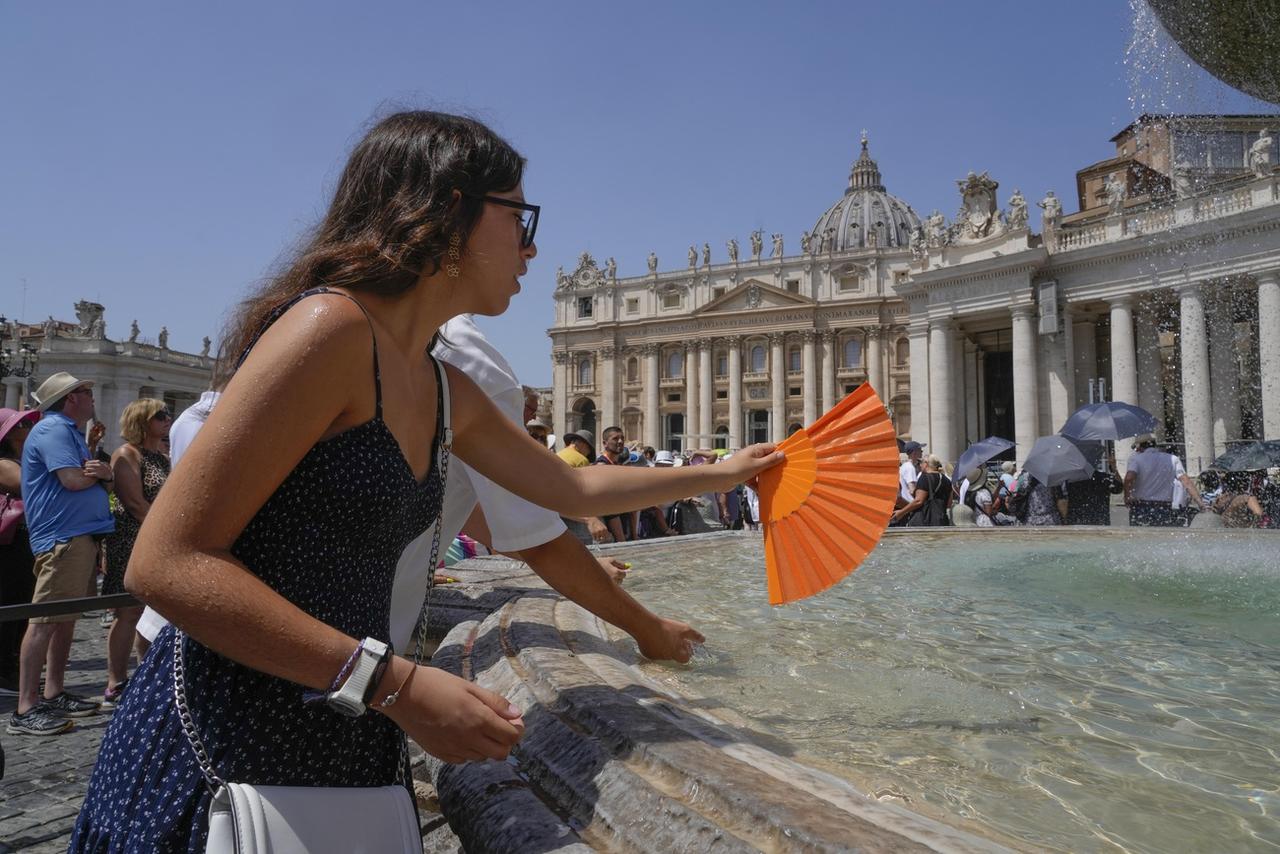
{"type": "Point", "coordinates": [728, 353]}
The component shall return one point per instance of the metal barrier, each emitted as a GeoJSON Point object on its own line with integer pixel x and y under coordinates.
{"type": "Point", "coordinates": [66, 606]}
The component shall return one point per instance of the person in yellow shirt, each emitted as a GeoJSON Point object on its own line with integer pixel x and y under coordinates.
{"type": "Point", "coordinates": [579, 448]}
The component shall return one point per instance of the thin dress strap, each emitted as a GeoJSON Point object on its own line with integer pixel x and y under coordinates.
{"type": "Point", "coordinates": [288, 304]}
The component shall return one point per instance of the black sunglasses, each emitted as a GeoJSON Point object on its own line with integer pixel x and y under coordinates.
{"type": "Point", "coordinates": [163, 415]}
{"type": "Point", "coordinates": [528, 221]}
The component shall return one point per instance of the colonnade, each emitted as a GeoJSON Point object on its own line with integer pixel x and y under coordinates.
{"type": "Point", "coordinates": [1209, 392]}
{"type": "Point", "coordinates": [702, 375]}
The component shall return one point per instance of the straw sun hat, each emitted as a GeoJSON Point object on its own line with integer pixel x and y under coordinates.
{"type": "Point", "coordinates": [57, 387]}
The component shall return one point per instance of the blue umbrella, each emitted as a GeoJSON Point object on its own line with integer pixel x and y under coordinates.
{"type": "Point", "coordinates": [1057, 459]}
{"type": "Point", "coordinates": [1109, 420]}
{"type": "Point", "coordinates": [979, 453]}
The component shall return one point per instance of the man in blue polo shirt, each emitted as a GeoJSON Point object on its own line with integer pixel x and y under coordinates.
{"type": "Point", "coordinates": [65, 491]}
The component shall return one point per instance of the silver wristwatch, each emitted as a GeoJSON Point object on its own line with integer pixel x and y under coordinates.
{"type": "Point", "coordinates": [349, 698]}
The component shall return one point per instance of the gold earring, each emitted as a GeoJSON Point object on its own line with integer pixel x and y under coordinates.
{"type": "Point", "coordinates": [455, 253]}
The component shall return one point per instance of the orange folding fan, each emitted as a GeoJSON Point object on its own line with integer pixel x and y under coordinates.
{"type": "Point", "coordinates": [826, 505]}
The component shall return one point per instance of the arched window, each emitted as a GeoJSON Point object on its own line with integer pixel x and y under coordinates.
{"type": "Point", "coordinates": [722, 437]}
{"type": "Point", "coordinates": [757, 359]}
{"type": "Point", "coordinates": [675, 364]}
{"type": "Point", "coordinates": [852, 353]}
{"type": "Point", "coordinates": [633, 370]}
{"type": "Point", "coordinates": [794, 428]}
{"type": "Point", "coordinates": [793, 360]}
{"type": "Point", "coordinates": [904, 351]}
{"type": "Point", "coordinates": [584, 372]}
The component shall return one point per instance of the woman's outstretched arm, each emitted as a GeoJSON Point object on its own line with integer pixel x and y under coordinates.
{"type": "Point", "coordinates": [494, 446]}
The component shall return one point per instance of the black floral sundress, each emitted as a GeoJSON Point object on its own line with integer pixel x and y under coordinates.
{"type": "Point", "coordinates": [327, 540]}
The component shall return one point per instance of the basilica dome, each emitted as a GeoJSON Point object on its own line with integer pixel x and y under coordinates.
{"type": "Point", "coordinates": [864, 210]}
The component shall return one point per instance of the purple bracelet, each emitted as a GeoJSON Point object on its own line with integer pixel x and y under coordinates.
{"type": "Point", "coordinates": [319, 696]}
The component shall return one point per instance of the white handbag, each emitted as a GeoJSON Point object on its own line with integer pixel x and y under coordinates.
{"type": "Point", "coordinates": [248, 819]}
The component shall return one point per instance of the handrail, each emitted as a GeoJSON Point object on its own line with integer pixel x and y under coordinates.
{"type": "Point", "coordinates": [59, 607]}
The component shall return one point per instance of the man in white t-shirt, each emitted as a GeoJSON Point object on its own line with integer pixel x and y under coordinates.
{"type": "Point", "coordinates": [1150, 476]}
{"type": "Point", "coordinates": [907, 474]}
{"type": "Point", "coordinates": [511, 525]}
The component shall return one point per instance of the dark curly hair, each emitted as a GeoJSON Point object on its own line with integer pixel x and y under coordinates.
{"type": "Point", "coordinates": [392, 214]}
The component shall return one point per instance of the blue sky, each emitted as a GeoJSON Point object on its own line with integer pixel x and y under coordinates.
{"type": "Point", "coordinates": [162, 158]}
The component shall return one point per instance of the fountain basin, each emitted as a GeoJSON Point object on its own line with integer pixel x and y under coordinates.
{"type": "Point", "coordinates": [612, 760]}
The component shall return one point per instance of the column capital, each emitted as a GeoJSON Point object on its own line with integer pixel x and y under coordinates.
{"type": "Point", "coordinates": [810, 336]}
{"type": "Point", "coordinates": [1023, 310]}
{"type": "Point", "coordinates": [945, 323]}
{"type": "Point", "coordinates": [648, 349]}
{"type": "Point", "coordinates": [561, 357]}
{"type": "Point", "coordinates": [776, 339]}
{"type": "Point", "coordinates": [1267, 277]}
{"type": "Point", "coordinates": [1190, 289]}
{"type": "Point", "coordinates": [1122, 301]}
{"type": "Point", "coordinates": [732, 341]}
{"type": "Point", "coordinates": [918, 327]}
{"type": "Point", "coordinates": [608, 352]}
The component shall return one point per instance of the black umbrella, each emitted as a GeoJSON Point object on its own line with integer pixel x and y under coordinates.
{"type": "Point", "coordinates": [1109, 420]}
{"type": "Point", "coordinates": [1250, 456]}
{"type": "Point", "coordinates": [1057, 459]}
{"type": "Point", "coordinates": [979, 453]}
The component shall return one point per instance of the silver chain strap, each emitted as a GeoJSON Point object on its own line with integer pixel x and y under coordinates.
{"type": "Point", "coordinates": [211, 777]}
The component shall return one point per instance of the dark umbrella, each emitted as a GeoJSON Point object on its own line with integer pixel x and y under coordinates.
{"type": "Point", "coordinates": [1251, 456]}
{"type": "Point", "coordinates": [1109, 420]}
{"type": "Point", "coordinates": [1056, 459]}
{"type": "Point", "coordinates": [979, 453]}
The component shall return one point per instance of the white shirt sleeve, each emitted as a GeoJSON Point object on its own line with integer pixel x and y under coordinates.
{"type": "Point", "coordinates": [514, 523]}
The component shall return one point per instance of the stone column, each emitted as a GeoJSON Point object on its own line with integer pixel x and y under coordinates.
{"type": "Point", "coordinates": [559, 392]}
{"type": "Point", "coordinates": [736, 438]}
{"type": "Point", "coordinates": [1026, 395]}
{"type": "Point", "coordinates": [1197, 403]}
{"type": "Point", "coordinates": [706, 390]}
{"type": "Point", "coordinates": [1124, 366]}
{"type": "Point", "coordinates": [809, 361]}
{"type": "Point", "coordinates": [1269, 351]}
{"type": "Point", "coordinates": [942, 389]}
{"type": "Point", "coordinates": [12, 392]}
{"type": "Point", "coordinates": [778, 385]}
{"type": "Point", "coordinates": [691, 409]}
{"type": "Point", "coordinates": [918, 338]}
{"type": "Point", "coordinates": [608, 367]}
{"type": "Point", "coordinates": [1124, 358]}
{"type": "Point", "coordinates": [1224, 371]}
{"type": "Point", "coordinates": [828, 370]}
{"type": "Point", "coordinates": [874, 356]}
{"type": "Point", "coordinates": [652, 425]}
{"type": "Point", "coordinates": [1150, 363]}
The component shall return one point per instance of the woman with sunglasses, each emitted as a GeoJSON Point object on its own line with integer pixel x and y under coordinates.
{"type": "Point", "coordinates": [331, 437]}
{"type": "Point", "coordinates": [140, 468]}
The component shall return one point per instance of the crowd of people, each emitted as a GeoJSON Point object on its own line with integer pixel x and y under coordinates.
{"type": "Point", "coordinates": [733, 509]}
{"type": "Point", "coordinates": [1156, 490]}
